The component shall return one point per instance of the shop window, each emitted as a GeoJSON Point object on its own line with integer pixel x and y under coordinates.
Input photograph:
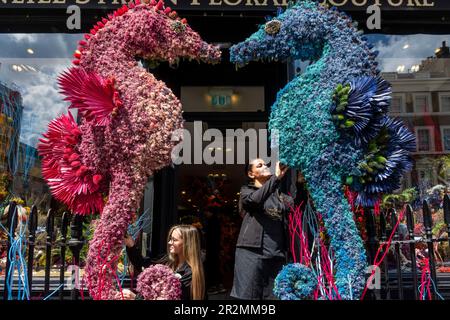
{"type": "Point", "coordinates": [422, 103]}
{"type": "Point", "coordinates": [445, 138]}
{"type": "Point", "coordinates": [29, 100]}
{"type": "Point", "coordinates": [397, 104]}
{"type": "Point", "coordinates": [424, 139]}
{"type": "Point", "coordinates": [423, 175]}
{"type": "Point", "coordinates": [444, 102]}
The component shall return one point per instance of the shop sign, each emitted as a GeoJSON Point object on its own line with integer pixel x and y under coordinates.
{"type": "Point", "coordinates": [236, 5]}
{"type": "Point", "coordinates": [220, 98]}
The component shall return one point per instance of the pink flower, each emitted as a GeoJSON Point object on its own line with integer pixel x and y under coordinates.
{"type": "Point", "coordinates": [159, 282]}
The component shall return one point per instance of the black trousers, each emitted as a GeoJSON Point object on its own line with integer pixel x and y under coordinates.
{"type": "Point", "coordinates": [254, 275]}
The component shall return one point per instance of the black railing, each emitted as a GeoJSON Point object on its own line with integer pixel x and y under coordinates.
{"type": "Point", "coordinates": [75, 244]}
{"type": "Point", "coordinates": [396, 282]}
{"type": "Point", "coordinates": [64, 227]}
{"type": "Point", "coordinates": [41, 287]}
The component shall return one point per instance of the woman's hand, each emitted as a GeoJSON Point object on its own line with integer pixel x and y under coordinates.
{"type": "Point", "coordinates": [127, 294]}
{"type": "Point", "coordinates": [280, 170]}
{"type": "Point", "coordinates": [129, 242]}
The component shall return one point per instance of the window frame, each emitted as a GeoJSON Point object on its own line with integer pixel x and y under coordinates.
{"type": "Point", "coordinates": [402, 105]}
{"type": "Point", "coordinates": [428, 95]}
{"type": "Point", "coordinates": [442, 128]}
{"type": "Point", "coordinates": [430, 131]}
{"type": "Point", "coordinates": [443, 94]}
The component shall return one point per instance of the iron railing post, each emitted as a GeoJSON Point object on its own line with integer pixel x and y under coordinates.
{"type": "Point", "coordinates": [447, 216]}
{"type": "Point", "coordinates": [12, 219]}
{"type": "Point", "coordinates": [385, 261]}
{"type": "Point", "coordinates": [412, 247]}
{"type": "Point", "coordinates": [75, 244]}
{"type": "Point", "coordinates": [31, 243]}
{"type": "Point", "coordinates": [64, 228]}
{"type": "Point", "coordinates": [371, 234]}
{"type": "Point", "coordinates": [428, 224]}
{"type": "Point", "coordinates": [394, 220]}
{"type": "Point", "coordinates": [48, 249]}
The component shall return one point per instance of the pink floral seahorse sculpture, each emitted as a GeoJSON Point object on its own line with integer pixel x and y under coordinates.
{"type": "Point", "coordinates": [127, 119]}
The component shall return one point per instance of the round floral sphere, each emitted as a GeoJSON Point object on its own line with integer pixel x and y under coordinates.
{"type": "Point", "coordinates": [159, 282]}
{"type": "Point", "coordinates": [295, 282]}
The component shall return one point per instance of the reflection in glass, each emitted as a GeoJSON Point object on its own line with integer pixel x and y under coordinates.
{"type": "Point", "coordinates": [29, 99]}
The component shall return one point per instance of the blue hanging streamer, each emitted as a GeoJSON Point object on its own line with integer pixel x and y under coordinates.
{"type": "Point", "coordinates": [16, 256]}
{"type": "Point", "coordinates": [56, 290]}
{"type": "Point", "coordinates": [133, 230]}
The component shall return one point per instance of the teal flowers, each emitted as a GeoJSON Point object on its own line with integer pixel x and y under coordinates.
{"type": "Point", "coordinates": [295, 282]}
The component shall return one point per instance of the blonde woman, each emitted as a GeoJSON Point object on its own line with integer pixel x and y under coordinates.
{"type": "Point", "coordinates": [183, 257]}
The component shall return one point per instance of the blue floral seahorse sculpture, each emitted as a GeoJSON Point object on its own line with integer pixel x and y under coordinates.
{"type": "Point", "coordinates": [332, 123]}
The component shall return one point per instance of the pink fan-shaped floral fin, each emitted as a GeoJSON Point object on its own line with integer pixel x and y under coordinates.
{"type": "Point", "coordinates": [94, 97]}
{"type": "Point", "coordinates": [71, 85]}
{"type": "Point", "coordinates": [69, 180]}
{"type": "Point", "coordinates": [99, 97]}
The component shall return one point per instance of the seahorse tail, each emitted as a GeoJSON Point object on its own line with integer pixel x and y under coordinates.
{"type": "Point", "coordinates": [347, 245]}
{"type": "Point", "coordinates": [106, 244]}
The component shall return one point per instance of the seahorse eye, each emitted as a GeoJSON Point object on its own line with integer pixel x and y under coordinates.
{"type": "Point", "coordinates": [178, 26]}
{"type": "Point", "coordinates": [272, 27]}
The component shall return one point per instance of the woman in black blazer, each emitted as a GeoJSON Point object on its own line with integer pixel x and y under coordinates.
{"type": "Point", "coordinates": [261, 248]}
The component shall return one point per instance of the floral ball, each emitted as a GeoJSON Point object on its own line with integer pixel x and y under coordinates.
{"type": "Point", "coordinates": [295, 282]}
{"type": "Point", "coordinates": [159, 282]}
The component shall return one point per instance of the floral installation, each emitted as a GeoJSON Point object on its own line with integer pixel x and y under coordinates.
{"type": "Point", "coordinates": [332, 122]}
{"type": "Point", "coordinates": [159, 282]}
{"type": "Point", "coordinates": [295, 282]}
{"type": "Point", "coordinates": [127, 118]}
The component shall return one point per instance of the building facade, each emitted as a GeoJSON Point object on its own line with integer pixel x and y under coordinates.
{"type": "Point", "coordinates": [35, 36]}
{"type": "Point", "coordinates": [421, 98]}
{"type": "Point", "coordinates": [11, 110]}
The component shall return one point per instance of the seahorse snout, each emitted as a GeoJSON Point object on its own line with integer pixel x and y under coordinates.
{"type": "Point", "coordinates": [210, 53]}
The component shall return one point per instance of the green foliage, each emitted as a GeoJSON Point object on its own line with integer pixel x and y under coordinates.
{"type": "Point", "coordinates": [340, 98]}
{"type": "Point", "coordinates": [395, 200]}
{"type": "Point", "coordinates": [443, 165]}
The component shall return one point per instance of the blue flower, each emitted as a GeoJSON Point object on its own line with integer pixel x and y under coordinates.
{"type": "Point", "coordinates": [393, 148]}
{"type": "Point", "coordinates": [295, 282]}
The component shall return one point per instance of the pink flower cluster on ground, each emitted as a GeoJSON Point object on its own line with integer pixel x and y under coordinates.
{"type": "Point", "coordinates": [126, 132]}
{"type": "Point", "coordinates": [159, 282]}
